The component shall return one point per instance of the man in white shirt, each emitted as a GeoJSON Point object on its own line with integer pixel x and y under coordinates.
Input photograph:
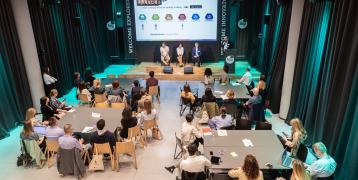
{"type": "Point", "coordinates": [194, 163]}
{"type": "Point", "coordinates": [189, 133]}
{"type": "Point", "coordinates": [164, 52]}
{"type": "Point", "coordinates": [220, 121]}
{"type": "Point", "coordinates": [246, 78]}
{"type": "Point", "coordinates": [180, 53]}
{"type": "Point", "coordinates": [325, 165]}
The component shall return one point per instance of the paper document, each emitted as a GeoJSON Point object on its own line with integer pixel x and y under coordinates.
{"type": "Point", "coordinates": [233, 154]}
{"type": "Point", "coordinates": [96, 115]}
{"type": "Point", "coordinates": [108, 86]}
{"type": "Point", "coordinates": [87, 129]}
{"type": "Point", "coordinates": [219, 92]}
{"type": "Point", "coordinates": [222, 132]}
{"type": "Point", "coordinates": [247, 143]}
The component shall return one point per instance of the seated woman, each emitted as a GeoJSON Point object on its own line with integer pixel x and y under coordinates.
{"type": "Point", "coordinates": [298, 135]}
{"type": "Point", "coordinates": [128, 121]}
{"type": "Point", "coordinates": [88, 77]}
{"type": "Point", "coordinates": [144, 96]}
{"type": "Point", "coordinates": [57, 104]}
{"type": "Point", "coordinates": [208, 76]}
{"type": "Point", "coordinates": [208, 96]}
{"type": "Point", "coordinates": [224, 77]}
{"type": "Point", "coordinates": [188, 95]}
{"type": "Point", "coordinates": [135, 94]}
{"type": "Point", "coordinates": [96, 88]}
{"type": "Point", "coordinates": [47, 111]}
{"type": "Point", "coordinates": [148, 113]}
{"type": "Point", "coordinates": [249, 171]}
{"type": "Point", "coordinates": [53, 131]}
{"type": "Point", "coordinates": [29, 134]}
{"type": "Point", "coordinates": [31, 117]}
{"type": "Point", "coordinates": [82, 89]}
{"type": "Point", "coordinates": [76, 79]}
{"type": "Point", "coordinates": [116, 94]}
{"type": "Point", "coordinates": [223, 120]}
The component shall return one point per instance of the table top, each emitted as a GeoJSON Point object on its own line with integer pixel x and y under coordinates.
{"type": "Point", "coordinates": [82, 117]}
{"type": "Point", "coordinates": [266, 149]}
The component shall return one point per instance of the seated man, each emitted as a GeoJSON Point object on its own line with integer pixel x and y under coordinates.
{"type": "Point", "coordinates": [325, 165]}
{"type": "Point", "coordinates": [68, 141]}
{"type": "Point", "coordinates": [194, 163]}
{"type": "Point", "coordinates": [196, 54]}
{"type": "Point", "coordinates": [223, 120]}
{"type": "Point", "coordinates": [246, 79]}
{"type": "Point", "coordinates": [102, 136]}
{"type": "Point", "coordinates": [190, 133]}
{"type": "Point", "coordinates": [164, 54]}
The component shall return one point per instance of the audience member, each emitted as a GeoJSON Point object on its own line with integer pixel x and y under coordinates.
{"type": "Point", "coordinates": [47, 111]}
{"type": "Point", "coordinates": [96, 88]}
{"type": "Point", "coordinates": [249, 171]}
{"type": "Point", "coordinates": [256, 112]}
{"type": "Point", "coordinates": [76, 79]}
{"type": "Point", "coordinates": [224, 76]}
{"type": "Point", "coordinates": [88, 77]}
{"type": "Point", "coordinates": [208, 76]}
{"type": "Point", "coordinates": [128, 121]}
{"type": "Point", "coordinates": [208, 96]}
{"type": "Point", "coordinates": [68, 141]}
{"type": "Point", "coordinates": [31, 117]}
{"type": "Point", "coordinates": [325, 165]}
{"type": "Point", "coordinates": [50, 82]}
{"type": "Point", "coordinates": [298, 135]}
{"type": "Point", "coordinates": [188, 96]}
{"type": "Point", "coordinates": [221, 121]}
{"type": "Point", "coordinates": [116, 94]}
{"type": "Point", "coordinates": [148, 113]}
{"type": "Point", "coordinates": [151, 81]}
{"type": "Point", "coordinates": [246, 79]}
{"type": "Point", "coordinates": [190, 133]}
{"type": "Point", "coordinates": [53, 131]}
{"type": "Point", "coordinates": [144, 96]}
{"type": "Point", "coordinates": [102, 135]}
{"type": "Point", "coordinates": [194, 163]}
{"type": "Point", "coordinates": [230, 94]}
{"type": "Point", "coordinates": [262, 89]}
{"type": "Point", "coordinates": [135, 92]}
{"type": "Point", "coordinates": [82, 89]}
{"type": "Point", "coordinates": [298, 171]}
{"type": "Point", "coordinates": [55, 103]}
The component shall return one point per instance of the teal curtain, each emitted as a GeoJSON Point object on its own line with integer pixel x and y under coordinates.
{"type": "Point", "coordinates": [325, 87]}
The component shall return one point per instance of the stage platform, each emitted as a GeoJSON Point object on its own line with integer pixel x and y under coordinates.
{"type": "Point", "coordinates": [141, 71]}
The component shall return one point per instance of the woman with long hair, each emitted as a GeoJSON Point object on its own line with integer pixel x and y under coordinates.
{"type": "Point", "coordinates": [249, 171]}
{"type": "Point", "coordinates": [208, 96]}
{"type": "Point", "coordinates": [148, 113]}
{"type": "Point", "coordinates": [127, 122]}
{"type": "Point", "coordinates": [298, 171]}
{"type": "Point", "coordinates": [30, 116]}
{"type": "Point", "coordinates": [208, 76]}
{"type": "Point", "coordinates": [187, 96]}
{"type": "Point", "coordinates": [298, 135]}
{"type": "Point", "coordinates": [82, 89]}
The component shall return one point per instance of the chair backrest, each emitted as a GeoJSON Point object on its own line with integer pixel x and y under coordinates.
{"type": "Point", "coordinates": [102, 105]}
{"type": "Point", "coordinates": [185, 175]}
{"type": "Point", "coordinates": [99, 98]}
{"type": "Point", "coordinates": [263, 126]}
{"type": "Point", "coordinates": [118, 105]}
{"type": "Point", "coordinates": [149, 124]}
{"type": "Point", "coordinates": [302, 152]}
{"type": "Point", "coordinates": [243, 124]}
{"type": "Point", "coordinates": [134, 132]}
{"type": "Point", "coordinates": [69, 162]}
{"type": "Point", "coordinates": [232, 109]}
{"type": "Point", "coordinates": [52, 146]}
{"type": "Point", "coordinates": [185, 100]}
{"type": "Point", "coordinates": [83, 98]}
{"type": "Point", "coordinates": [104, 148]}
{"type": "Point", "coordinates": [153, 90]}
{"type": "Point", "coordinates": [220, 176]}
{"type": "Point", "coordinates": [178, 141]}
{"type": "Point", "coordinates": [125, 147]}
{"type": "Point", "coordinates": [232, 127]}
{"type": "Point", "coordinates": [212, 108]}
{"type": "Point", "coordinates": [111, 76]}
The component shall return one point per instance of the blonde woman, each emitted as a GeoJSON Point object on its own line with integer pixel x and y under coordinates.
{"type": "Point", "coordinates": [298, 171]}
{"type": "Point", "coordinates": [31, 116]}
{"type": "Point", "coordinates": [298, 135]}
{"type": "Point", "coordinates": [96, 88]}
{"type": "Point", "coordinates": [148, 113]}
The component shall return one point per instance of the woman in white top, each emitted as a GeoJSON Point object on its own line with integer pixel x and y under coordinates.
{"type": "Point", "coordinates": [180, 53]}
{"type": "Point", "coordinates": [31, 117]}
{"type": "Point", "coordinates": [148, 113]}
{"type": "Point", "coordinates": [82, 89]}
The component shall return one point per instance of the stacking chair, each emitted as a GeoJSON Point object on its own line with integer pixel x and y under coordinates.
{"type": "Point", "coordinates": [125, 148]}
{"type": "Point", "coordinates": [148, 124]}
{"type": "Point", "coordinates": [232, 110]}
{"type": "Point", "coordinates": [185, 175]}
{"type": "Point", "coordinates": [100, 98]}
{"type": "Point", "coordinates": [83, 100]}
{"type": "Point", "coordinates": [154, 92]}
{"type": "Point", "coordinates": [243, 124]}
{"type": "Point", "coordinates": [102, 105]}
{"type": "Point", "coordinates": [118, 105]}
{"type": "Point", "coordinates": [179, 148]}
{"type": "Point", "coordinates": [104, 148]}
{"type": "Point", "coordinates": [263, 126]}
{"type": "Point", "coordinates": [111, 76]}
{"type": "Point", "coordinates": [184, 103]}
{"type": "Point", "coordinates": [135, 132]}
{"type": "Point", "coordinates": [69, 162]}
{"type": "Point", "coordinates": [51, 149]}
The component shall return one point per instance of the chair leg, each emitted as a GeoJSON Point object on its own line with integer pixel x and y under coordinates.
{"type": "Point", "coordinates": [134, 160]}
{"type": "Point", "coordinates": [117, 162]}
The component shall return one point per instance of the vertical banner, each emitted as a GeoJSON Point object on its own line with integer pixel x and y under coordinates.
{"type": "Point", "coordinates": [129, 29]}
{"type": "Point", "coordinates": [223, 23]}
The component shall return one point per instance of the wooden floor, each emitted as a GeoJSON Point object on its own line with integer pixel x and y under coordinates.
{"type": "Point", "coordinates": [141, 71]}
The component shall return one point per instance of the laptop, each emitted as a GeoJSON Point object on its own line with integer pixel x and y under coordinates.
{"type": "Point", "coordinates": [286, 159]}
{"type": "Point", "coordinates": [40, 130]}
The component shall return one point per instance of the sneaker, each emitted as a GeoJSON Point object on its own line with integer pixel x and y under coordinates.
{"type": "Point", "coordinates": [170, 169]}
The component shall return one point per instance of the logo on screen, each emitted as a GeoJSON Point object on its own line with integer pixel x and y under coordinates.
{"type": "Point", "coordinates": [195, 17]}
{"type": "Point", "coordinates": [149, 2]}
{"type": "Point", "coordinates": [155, 17]}
{"type": "Point", "coordinates": [168, 17]}
{"type": "Point", "coordinates": [182, 17]}
{"type": "Point", "coordinates": [209, 17]}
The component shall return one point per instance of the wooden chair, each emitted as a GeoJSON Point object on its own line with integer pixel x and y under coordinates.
{"type": "Point", "coordinates": [148, 124]}
{"type": "Point", "coordinates": [51, 149]}
{"type": "Point", "coordinates": [118, 105]}
{"type": "Point", "coordinates": [102, 105]}
{"type": "Point", "coordinates": [111, 76]}
{"type": "Point", "coordinates": [105, 149]}
{"type": "Point", "coordinates": [83, 100]}
{"type": "Point", "coordinates": [125, 148]}
{"type": "Point", "coordinates": [154, 92]}
{"type": "Point", "coordinates": [100, 98]}
{"type": "Point", "coordinates": [136, 133]}
{"type": "Point", "coordinates": [85, 156]}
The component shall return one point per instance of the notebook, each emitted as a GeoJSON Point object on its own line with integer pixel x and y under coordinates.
{"type": "Point", "coordinates": [286, 159]}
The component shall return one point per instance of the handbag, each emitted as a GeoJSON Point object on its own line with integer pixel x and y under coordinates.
{"type": "Point", "coordinates": [204, 117]}
{"type": "Point", "coordinates": [157, 134]}
{"type": "Point", "coordinates": [96, 163]}
{"type": "Point", "coordinates": [24, 159]}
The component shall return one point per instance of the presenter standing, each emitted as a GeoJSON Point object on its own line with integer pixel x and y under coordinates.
{"type": "Point", "coordinates": [196, 54]}
{"type": "Point", "coordinates": [180, 53]}
{"type": "Point", "coordinates": [164, 52]}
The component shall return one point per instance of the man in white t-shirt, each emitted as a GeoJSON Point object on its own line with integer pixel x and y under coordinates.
{"type": "Point", "coordinates": [325, 165]}
{"type": "Point", "coordinates": [194, 163]}
{"type": "Point", "coordinates": [164, 54]}
{"type": "Point", "coordinates": [246, 78]}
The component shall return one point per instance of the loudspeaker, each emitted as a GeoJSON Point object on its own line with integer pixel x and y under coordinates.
{"type": "Point", "coordinates": [188, 70]}
{"type": "Point", "coordinates": [267, 18]}
{"type": "Point", "coordinates": [168, 69]}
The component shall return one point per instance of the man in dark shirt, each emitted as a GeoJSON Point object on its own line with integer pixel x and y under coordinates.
{"type": "Point", "coordinates": [102, 136]}
{"type": "Point", "coordinates": [151, 81]}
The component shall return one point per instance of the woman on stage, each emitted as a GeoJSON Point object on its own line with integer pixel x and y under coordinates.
{"type": "Point", "coordinates": [180, 53]}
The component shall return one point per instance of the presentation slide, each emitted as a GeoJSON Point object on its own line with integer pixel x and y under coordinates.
{"type": "Point", "coordinates": [176, 20]}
